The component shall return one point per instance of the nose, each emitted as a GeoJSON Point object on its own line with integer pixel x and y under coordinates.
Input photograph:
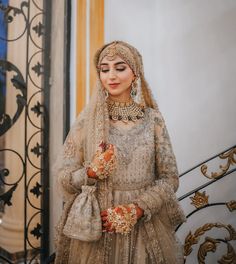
{"type": "Point", "coordinates": [111, 74]}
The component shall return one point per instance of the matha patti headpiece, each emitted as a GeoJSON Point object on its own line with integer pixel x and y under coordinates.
{"type": "Point", "coordinates": [121, 49]}
{"type": "Point", "coordinates": [110, 52]}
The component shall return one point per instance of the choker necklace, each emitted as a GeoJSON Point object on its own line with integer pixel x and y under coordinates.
{"type": "Point", "coordinates": [125, 111]}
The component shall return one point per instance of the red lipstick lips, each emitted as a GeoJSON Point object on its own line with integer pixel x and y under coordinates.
{"type": "Point", "coordinates": [113, 85]}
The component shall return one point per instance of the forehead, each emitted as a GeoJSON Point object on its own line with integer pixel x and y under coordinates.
{"type": "Point", "coordinates": [114, 60]}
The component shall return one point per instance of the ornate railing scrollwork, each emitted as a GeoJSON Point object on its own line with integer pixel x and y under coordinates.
{"type": "Point", "coordinates": [229, 257]}
{"type": "Point", "coordinates": [229, 156]}
{"type": "Point", "coordinates": [210, 244]}
{"type": "Point", "coordinates": [231, 205]}
{"type": "Point", "coordinates": [7, 196]}
{"type": "Point", "coordinates": [198, 240]}
{"type": "Point", "coordinates": [24, 125]}
{"type": "Point", "coordinates": [200, 199]}
{"type": "Point", "coordinates": [10, 13]}
{"type": "Point", "coordinates": [18, 82]}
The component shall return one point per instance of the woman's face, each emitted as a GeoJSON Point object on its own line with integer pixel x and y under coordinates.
{"type": "Point", "coordinates": [116, 77]}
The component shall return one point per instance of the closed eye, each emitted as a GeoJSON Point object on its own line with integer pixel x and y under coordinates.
{"type": "Point", "coordinates": [104, 70]}
{"type": "Point", "coordinates": [120, 69]}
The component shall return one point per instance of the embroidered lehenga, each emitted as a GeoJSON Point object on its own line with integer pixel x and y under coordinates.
{"type": "Point", "coordinates": [146, 173]}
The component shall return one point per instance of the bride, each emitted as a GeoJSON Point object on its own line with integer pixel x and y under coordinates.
{"type": "Point", "coordinates": [120, 141]}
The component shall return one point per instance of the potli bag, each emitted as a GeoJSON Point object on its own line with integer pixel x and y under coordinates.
{"type": "Point", "coordinates": [84, 220]}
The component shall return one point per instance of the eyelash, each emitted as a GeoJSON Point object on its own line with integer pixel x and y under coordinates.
{"type": "Point", "coordinates": [120, 70]}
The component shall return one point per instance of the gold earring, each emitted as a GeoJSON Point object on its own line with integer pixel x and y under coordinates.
{"type": "Point", "coordinates": [133, 91]}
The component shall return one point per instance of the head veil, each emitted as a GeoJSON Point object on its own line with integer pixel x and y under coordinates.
{"type": "Point", "coordinates": [95, 113]}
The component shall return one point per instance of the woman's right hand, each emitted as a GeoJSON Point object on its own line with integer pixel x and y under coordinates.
{"type": "Point", "coordinates": [100, 158]}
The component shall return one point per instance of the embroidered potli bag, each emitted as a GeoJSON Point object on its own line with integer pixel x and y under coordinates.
{"type": "Point", "coordinates": [84, 220]}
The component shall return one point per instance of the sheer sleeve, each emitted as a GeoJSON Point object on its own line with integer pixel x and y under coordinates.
{"type": "Point", "coordinates": [167, 179]}
{"type": "Point", "coordinates": [69, 169]}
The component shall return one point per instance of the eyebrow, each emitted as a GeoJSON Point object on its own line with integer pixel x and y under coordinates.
{"type": "Point", "coordinates": [117, 63]}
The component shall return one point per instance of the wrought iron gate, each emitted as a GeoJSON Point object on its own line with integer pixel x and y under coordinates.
{"type": "Point", "coordinates": [24, 130]}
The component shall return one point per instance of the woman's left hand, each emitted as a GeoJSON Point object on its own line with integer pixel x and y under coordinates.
{"type": "Point", "coordinates": [107, 226]}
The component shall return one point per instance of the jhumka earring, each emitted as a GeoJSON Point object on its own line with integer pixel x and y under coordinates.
{"type": "Point", "coordinates": [133, 91]}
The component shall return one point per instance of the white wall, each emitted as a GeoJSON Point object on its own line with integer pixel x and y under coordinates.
{"type": "Point", "coordinates": [188, 48]}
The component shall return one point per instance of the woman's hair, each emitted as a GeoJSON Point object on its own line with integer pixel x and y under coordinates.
{"type": "Point", "coordinates": [95, 114]}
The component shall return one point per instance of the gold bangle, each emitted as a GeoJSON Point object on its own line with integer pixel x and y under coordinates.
{"type": "Point", "coordinates": [122, 218]}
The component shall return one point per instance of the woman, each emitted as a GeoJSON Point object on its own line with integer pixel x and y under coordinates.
{"type": "Point", "coordinates": [134, 167]}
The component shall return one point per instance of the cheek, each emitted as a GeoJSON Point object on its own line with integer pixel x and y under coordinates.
{"type": "Point", "coordinates": [103, 78]}
{"type": "Point", "coordinates": [127, 77]}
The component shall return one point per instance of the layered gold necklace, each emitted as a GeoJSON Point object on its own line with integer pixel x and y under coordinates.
{"type": "Point", "coordinates": [125, 111]}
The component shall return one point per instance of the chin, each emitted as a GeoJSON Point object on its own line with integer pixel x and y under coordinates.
{"type": "Point", "coordinates": [118, 92]}
{"type": "Point", "coordinates": [115, 93]}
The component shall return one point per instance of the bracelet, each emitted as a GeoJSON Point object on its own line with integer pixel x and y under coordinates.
{"type": "Point", "coordinates": [122, 218]}
{"type": "Point", "coordinates": [105, 169]}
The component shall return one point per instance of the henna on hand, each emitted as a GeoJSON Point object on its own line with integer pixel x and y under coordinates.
{"type": "Point", "coordinates": [139, 211]}
{"type": "Point", "coordinates": [106, 225]}
{"type": "Point", "coordinates": [120, 219]}
{"type": "Point", "coordinates": [103, 162]}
